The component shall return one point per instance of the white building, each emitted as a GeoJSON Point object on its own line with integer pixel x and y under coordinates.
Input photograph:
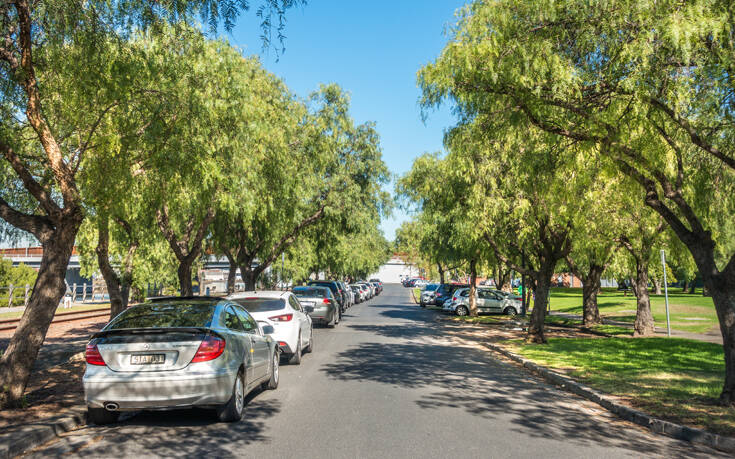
{"type": "Point", "coordinates": [394, 270]}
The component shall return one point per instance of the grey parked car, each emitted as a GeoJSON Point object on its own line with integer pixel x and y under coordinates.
{"type": "Point", "coordinates": [427, 294]}
{"type": "Point", "coordinates": [178, 352]}
{"type": "Point", "coordinates": [325, 306]}
{"type": "Point", "coordinates": [488, 301]}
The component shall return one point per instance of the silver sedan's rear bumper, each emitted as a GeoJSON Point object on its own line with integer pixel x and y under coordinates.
{"type": "Point", "coordinates": [154, 390]}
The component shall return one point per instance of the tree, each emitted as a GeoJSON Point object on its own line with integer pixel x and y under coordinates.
{"type": "Point", "coordinates": [645, 81]}
{"type": "Point", "coordinates": [594, 234]}
{"type": "Point", "coordinates": [321, 167]}
{"type": "Point", "coordinates": [45, 154]}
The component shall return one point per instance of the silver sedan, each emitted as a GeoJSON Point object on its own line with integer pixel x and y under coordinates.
{"type": "Point", "coordinates": [175, 353]}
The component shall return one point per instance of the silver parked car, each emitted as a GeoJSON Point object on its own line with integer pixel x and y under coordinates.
{"type": "Point", "coordinates": [324, 307]}
{"type": "Point", "coordinates": [427, 294]}
{"type": "Point", "coordinates": [178, 352]}
{"type": "Point", "coordinates": [488, 301]}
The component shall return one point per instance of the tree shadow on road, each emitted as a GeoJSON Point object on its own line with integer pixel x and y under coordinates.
{"type": "Point", "coordinates": [471, 380]}
{"type": "Point", "coordinates": [180, 433]}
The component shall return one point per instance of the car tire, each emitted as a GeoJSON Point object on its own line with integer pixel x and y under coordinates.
{"type": "Point", "coordinates": [332, 323]}
{"type": "Point", "coordinates": [510, 311]}
{"type": "Point", "coordinates": [101, 416]}
{"type": "Point", "coordinates": [295, 358]}
{"type": "Point", "coordinates": [232, 410]}
{"type": "Point", "coordinates": [272, 383]}
{"type": "Point", "coordinates": [310, 348]}
{"type": "Point", "coordinates": [462, 311]}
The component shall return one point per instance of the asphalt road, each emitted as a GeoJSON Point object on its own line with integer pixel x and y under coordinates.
{"type": "Point", "coordinates": [388, 382]}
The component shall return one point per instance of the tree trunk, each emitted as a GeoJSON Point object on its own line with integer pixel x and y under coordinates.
{"type": "Point", "coordinates": [693, 287]}
{"type": "Point", "coordinates": [22, 350]}
{"type": "Point", "coordinates": [231, 276]}
{"type": "Point", "coordinates": [590, 287]}
{"type": "Point", "coordinates": [656, 286]}
{"type": "Point", "coordinates": [473, 288]}
{"type": "Point", "coordinates": [723, 296]}
{"type": "Point", "coordinates": [108, 273]}
{"type": "Point", "coordinates": [441, 273]}
{"type": "Point", "coordinates": [644, 325]}
{"type": "Point", "coordinates": [538, 316]}
{"type": "Point", "coordinates": [503, 280]}
{"type": "Point", "coordinates": [184, 273]}
{"type": "Point", "coordinates": [686, 285]}
{"type": "Point", "coordinates": [249, 277]}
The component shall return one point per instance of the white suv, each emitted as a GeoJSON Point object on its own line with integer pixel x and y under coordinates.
{"type": "Point", "coordinates": [291, 322]}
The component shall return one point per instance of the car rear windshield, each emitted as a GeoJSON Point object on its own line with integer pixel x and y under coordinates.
{"type": "Point", "coordinates": [306, 292]}
{"type": "Point", "coordinates": [261, 304]}
{"type": "Point", "coordinates": [432, 287]}
{"type": "Point", "coordinates": [165, 315]}
{"type": "Point", "coordinates": [331, 285]}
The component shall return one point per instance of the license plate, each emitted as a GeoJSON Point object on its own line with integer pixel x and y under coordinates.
{"type": "Point", "coordinates": [147, 359]}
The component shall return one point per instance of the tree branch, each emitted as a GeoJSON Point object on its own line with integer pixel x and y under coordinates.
{"type": "Point", "coordinates": [693, 134]}
{"type": "Point", "coordinates": [40, 226]}
{"type": "Point", "coordinates": [33, 187]}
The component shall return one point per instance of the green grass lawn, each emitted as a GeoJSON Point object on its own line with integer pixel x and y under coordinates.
{"type": "Point", "coordinates": [86, 307]}
{"type": "Point", "coordinates": [672, 378]}
{"type": "Point", "coordinates": [614, 330]}
{"type": "Point", "coordinates": [690, 313]}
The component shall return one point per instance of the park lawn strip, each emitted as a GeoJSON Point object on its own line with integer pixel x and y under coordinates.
{"type": "Point", "coordinates": [671, 378]}
{"type": "Point", "coordinates": [614, 330]}
{"type": "Point", "coordinates": [86, 307]}
{"type": "Point", "coordinates": [690, 313]}
{"type": "Point", "coordinates": [484, 320]}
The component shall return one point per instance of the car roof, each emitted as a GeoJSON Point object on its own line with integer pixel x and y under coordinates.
{"type": "Point", "coordinates": [188, 299]}
{"type": "Point", "coordinates": [259, 294]}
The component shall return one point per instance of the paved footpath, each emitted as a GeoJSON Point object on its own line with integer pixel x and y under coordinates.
{"type": "Point", "coordinates": [388, 382]}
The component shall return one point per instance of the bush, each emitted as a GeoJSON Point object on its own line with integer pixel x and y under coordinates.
{"type": "Point", "coordinates": [17, 276]}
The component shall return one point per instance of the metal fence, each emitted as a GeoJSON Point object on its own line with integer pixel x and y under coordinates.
{"type": "Point", "coordinates": [19, 295]}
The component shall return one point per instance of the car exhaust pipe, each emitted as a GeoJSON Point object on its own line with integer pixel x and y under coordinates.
{"type": "Point", "coordinates": [111, 406]}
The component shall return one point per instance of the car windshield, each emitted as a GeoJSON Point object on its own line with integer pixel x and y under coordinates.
{"type": "Point", "coordinates": [256, 304]}
{"type": "Point", "coordinates": [165, 315]}
{"type": "Point", "coordinates": [305, 292]}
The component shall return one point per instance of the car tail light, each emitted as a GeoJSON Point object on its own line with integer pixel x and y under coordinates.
{"type": "Point", "coordinates": [210, 348]}
{"type": "Point", "coordinates": [282, 318]}
{"type": "Point", "coordinates": [326, 301]}
{"type": "Point", "coordinates": [438, 294]}
{"type": "Point", "coordinates": [92, 355]}
{"type": "Point", "coordinates": [283, 344]}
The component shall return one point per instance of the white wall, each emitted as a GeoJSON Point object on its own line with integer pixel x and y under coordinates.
{"type": "Point", "coordinates": [391, 272]}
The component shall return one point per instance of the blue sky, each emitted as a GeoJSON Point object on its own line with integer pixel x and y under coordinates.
{"type": "Point", "coordinates": [373, 50]}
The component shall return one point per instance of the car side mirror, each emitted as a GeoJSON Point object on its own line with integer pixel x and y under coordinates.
{"type": "Point", "coordinates": [268, 329]}
{"type": "Point", "coordinates": [309, 308]}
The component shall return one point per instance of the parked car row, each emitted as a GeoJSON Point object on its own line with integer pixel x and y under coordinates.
{"type": "Point", "coordinates": [207, 352]}
{"type": "Point", "coordinates": [454, 298]}
{"type": "Point", "coordinates": [489, 301]}
{"type": "Point", "coordinates": [414, 282]}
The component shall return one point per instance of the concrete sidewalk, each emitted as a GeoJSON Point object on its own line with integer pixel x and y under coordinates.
{"type": "Point", "coordinates": [709, 337]}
